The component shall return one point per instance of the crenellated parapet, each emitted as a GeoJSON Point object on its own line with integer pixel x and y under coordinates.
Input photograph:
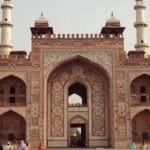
{"type": "Point", "coordinates": [16, 59]}
{"type": "Point", "coordinates": [75, 36]}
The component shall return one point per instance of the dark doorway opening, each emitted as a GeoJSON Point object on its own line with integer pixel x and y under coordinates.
{"type": "Point", "coordinates": [77, 135]}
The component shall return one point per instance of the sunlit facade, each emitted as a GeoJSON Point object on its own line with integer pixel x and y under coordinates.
{"type": "Point", "coordinates": [75, 90]}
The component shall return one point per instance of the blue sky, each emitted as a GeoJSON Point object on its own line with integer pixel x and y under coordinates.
{"type": "Point", "coordinates": [73, 16]}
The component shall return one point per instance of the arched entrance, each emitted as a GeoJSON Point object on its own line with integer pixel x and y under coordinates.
{"type": "Point", "coordinates": [141, 127]}
{"type": "Point", "coordinates": [12, 127]}
{"type": "Point", "coordinates": [88, 86]}
{"type": "Point", "coordinates": [12, 91]}
{"type": "Point", "coordinates": [78, 132]}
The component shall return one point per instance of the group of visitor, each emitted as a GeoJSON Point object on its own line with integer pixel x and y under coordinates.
{"type": "Point", "coordinates": [22, 146]}
{"type": "Point", "coordinates": [142, 147]}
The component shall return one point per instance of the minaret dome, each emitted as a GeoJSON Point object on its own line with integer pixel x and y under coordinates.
{"type": "Point", "coordinates": [41, 28]}
{"type": "Point", "coordinates": [112, 28]}
{"type": "Point", "coordinates": [112, 21]}
{"type": "Point", "coordinates": [41, 21]}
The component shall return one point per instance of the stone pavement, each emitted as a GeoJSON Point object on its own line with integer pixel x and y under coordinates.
{"type": "Point", "coordinates": [138, 147]}
{"type": "Point", "coordinates": [84, 149]}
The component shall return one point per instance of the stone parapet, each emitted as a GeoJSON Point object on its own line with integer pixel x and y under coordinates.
{"type": "Point", "coordinates": [76, 36]}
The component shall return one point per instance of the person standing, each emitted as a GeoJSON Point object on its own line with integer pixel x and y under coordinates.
{"type": "Point", "coordinates": [27, 146]}
{"type": "Point", "coordinates": [22, 146]}
{"type": "Point", "coordinates": [143, 147]}
{"type": "Point", "coordinates": [9, 146]}
{"type": "Point", "coordinates": [132, 146]}
{"type": "Point", "coordinates": [1, 146]}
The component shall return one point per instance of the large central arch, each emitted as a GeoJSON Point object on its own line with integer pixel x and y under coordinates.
{"type": "Point", "coordinates": [78, 72]}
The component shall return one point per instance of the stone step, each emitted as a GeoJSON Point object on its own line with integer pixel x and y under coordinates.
{"type": "Point", "coordinates": [84, 149]}
{"type": "Point", "coordinates": [138, 147]}
{"type": "Point", "coordinates": [72, 149]}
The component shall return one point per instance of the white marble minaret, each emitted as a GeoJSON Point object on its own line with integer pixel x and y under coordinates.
{"type": "Point", "coordinates": [141, 27]}
{"type": "Point", "coordinates": [6, 27]}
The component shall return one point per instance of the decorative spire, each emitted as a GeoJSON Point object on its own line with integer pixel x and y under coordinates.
{"type": "Point", "coordinates": [112, 21]}
{"type": "Point", "coordinates": [41, 21]}
{"type": "Point", "coordinates": [42, 14]}
{"type": "Point", "coordinates": [112, 28]}
{"type": "Point", "coordinates": [41, 28]}
{"type": "Point", "coordinates": [141, 27]}
{"type": "Point", "coordinates": [6, 26]}
{"type": "Point", "coordinates": [112, 14]}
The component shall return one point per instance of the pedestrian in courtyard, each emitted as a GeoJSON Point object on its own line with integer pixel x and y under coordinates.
{"type": "Point", "coordinates": [1, 146]}
{"type": "Point", "coordinates": [27, 146]}
{"type": "Point", "coordinates": [22, 146]}
{"type": "Point", "coordinates": [132, 146]}
{"type": "Point", "coordinates": [143, 147]}
{"type": "Point", "coordinates": [9, 146]}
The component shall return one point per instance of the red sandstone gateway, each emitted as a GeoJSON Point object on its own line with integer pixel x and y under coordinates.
{"type": "Point", "coordinates": [77, 91]}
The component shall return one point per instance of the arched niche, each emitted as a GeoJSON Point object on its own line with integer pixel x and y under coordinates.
{"type": "Point", "coordinates": [140, 90]}
{"type": "Point", "coordinates": [13, 91]}
{"type": "Point", "coordinates": [77, 94]}
{"type": "Point", "coordinates": [12, 127]}
{"type": "Point", "coordinates": [141, 127]}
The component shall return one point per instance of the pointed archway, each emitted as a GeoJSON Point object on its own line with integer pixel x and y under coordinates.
{"type": "Point", "coordinates": [12, 127]}
{"type": "Point", "coordinates": [140, 89]}
{"type": "Point", "coordinates": [89, 82]}
{"type": "Point", "coordinates": [12, 91]}
{"type": "Point", "coordinates": [77, 93]}
{"type": "Point", "coordinates": [141, 127]}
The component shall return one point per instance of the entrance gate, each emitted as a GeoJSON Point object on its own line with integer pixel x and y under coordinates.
{"type": "Point", "coordinates": [77, 135]}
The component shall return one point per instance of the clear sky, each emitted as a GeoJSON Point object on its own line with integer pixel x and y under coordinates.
{"type": "Point", "coordinates": [73, 16]}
